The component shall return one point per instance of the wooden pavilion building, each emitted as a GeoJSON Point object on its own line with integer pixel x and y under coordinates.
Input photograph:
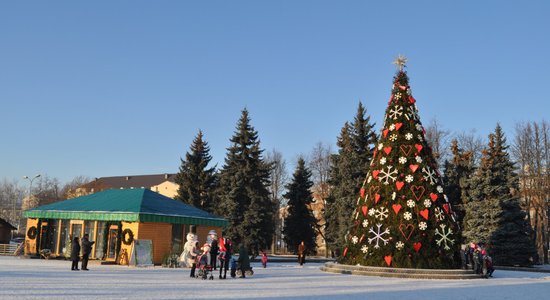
{"type": "Point", "coordinates": [114, 219]}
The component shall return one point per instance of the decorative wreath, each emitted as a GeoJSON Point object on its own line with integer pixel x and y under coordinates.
{"type": "Point", "coordinates": [32, 233]}
{"type": "Point", "coordinates": [127, 236]}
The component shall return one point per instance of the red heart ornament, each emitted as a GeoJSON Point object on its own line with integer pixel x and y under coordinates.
{"type": "Point", "coordinates": [362, 192]}
{"type": "Point", "coordinates": [411, 100]}
{"type": "Point", "coordinates": [413, 167]}
{"type": "Point", "coordinates": [417, 191]}
{"type": "Point", "coordinates": [365, 210]}
{"type": "Point", "coordinates": [387, 150]}
{"type": "Point", "coordinates": [385, 132]}
{"type": "Point", "coordinates": [399, 185]}
{"type": "Point", "coordinates": [375, 174]}
{"type": "Point", "coordinates": [406, 230]}
{"type": "Point", "coordinates": [403, 87]}
{"type": "Point", "coordinates": [376, 198]}
{"type": "Point", "coordinates": [417, 246]}
{"type": "Point", "coordinates": [418, 147]}
{"type": "Point", "coordinates": [398, 125]}
{"type": "Point", "coordinates": [406, 149]}
{"type": "Point", "coordinates": [425, 213]}
{"type": "Point", "coordinates": [446, 208]}
{"type": "Point", "coordinates": [433, 196]}
{"type": "Point", "coordinates": [387, 258]}
{"type": "Point", "coordinates": [396, 208]}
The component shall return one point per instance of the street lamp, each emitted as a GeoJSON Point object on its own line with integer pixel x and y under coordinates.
{"type": "Point", "coordinates": [30, 189]}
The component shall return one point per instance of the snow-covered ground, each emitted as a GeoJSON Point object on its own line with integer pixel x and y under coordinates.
{"type": "Point", "coordinates": [52, 279]}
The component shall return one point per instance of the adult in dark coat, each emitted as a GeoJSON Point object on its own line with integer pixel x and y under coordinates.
{"type": "Point", "coordinates": [75, 254]}
{"type": "Point", "coordinates": [214, 251]}
{"type": "Point", "coordinates": [244, 261]}
{"type": "Point", "coordinates": [86, 250]}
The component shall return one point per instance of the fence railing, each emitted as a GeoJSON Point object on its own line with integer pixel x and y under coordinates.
{"type": "Point", "coordinates": [10, 249]}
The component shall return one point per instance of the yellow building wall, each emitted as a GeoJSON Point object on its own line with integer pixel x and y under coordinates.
{"type": "Point", "coordinates": [160, 234]}
{"type": "Point", "coordinates": [167, 188]}
{"type": "Point", "coordinates": [127, 249]}
{"type": "Point", "coordinates": [30, 245]}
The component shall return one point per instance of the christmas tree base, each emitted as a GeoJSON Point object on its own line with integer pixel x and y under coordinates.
{"type": "Point", "coordinates": [400, 272]}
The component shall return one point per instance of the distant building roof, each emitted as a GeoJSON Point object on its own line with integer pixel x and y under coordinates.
{"type": "Point", "coordinates": [127, 182]}
{"type": "Point", "coordinates": [131, 205]}
{"type": "Point", "coordinates": [5, 224]}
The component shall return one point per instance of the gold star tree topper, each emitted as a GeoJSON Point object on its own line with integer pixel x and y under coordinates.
{"type": "Point", "coordinates": [400, 62]}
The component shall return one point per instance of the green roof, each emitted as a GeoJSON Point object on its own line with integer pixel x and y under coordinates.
{"type": "Point", "coordinates": [131, 205]}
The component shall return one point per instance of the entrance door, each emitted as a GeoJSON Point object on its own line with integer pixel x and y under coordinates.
{"type": "Point", "coordinates": [112, 241]}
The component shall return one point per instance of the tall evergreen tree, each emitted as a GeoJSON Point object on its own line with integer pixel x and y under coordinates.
{"type": "Point", "coordinates": [300, 222]}
{"type": "Point", "coordinates": [457, 171]}
{"type": "Point", "coordinates": [243, 190]}
{"type": "Point", "coordinates": [402, 218]}
{"type": "Point", "coordinates": [493, 213]}
{"type": "Point", "coordinates": [355, 147]}
{"type": "Point", "coordinates": [196, 181]}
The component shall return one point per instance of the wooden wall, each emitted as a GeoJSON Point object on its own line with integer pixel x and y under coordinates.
{"type": "Point", "coordinates": [160, 234]}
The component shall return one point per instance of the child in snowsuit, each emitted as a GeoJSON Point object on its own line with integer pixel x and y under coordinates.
{"type": "Point", "coordinates": [264, 259]}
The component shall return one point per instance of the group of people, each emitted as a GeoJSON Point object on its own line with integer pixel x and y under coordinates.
{"type": "Point", "coordinates": [476, 257]}
{"type": "Point", "coordinates": [212, 252]}
{"type": "Point", "coordinates": [86, 251]}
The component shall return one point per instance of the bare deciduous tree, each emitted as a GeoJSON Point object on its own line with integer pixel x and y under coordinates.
{"type": "Point", "coordinates": [532, 153]}
{"type": "Point", "coordinates": [319, 163]}
{"type": "Point", "coordinates": [470, 142]}
{"type": "Point", "coordinates": [11, 196]}
{"type": "Point", "coordinates": [279, 178]}
{"type": "Point", "coordinates": [438, 138]}
{"type": "Point", "coordinates": [69, 189]}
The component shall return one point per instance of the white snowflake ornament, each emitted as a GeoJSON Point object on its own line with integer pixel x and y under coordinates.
{"type": "Point", "coordinates": [354, 239]}
{"type": "Point", "coordinates": [408, 136]}
{"type": "Point", "coordinates": [409, 178]}
{"type": "Point", "coordinates": [365, 223]}
{"type": "Point", "coordinates": [365, 249]}
{"type": "Point", "coordinates": [444, 237]}
{"type": "Point", "coordinates": [407, 216]}
{"type": "Point", "coordinates": [372, 211]}
{"type": "Point", "coordinates": [383, 161]}
{"type": "Point", "coordinates": [387, 175]}
{"type": "Point", "coordinates": [396, 111]}
{"type": "Point", "coordinates": [427, 203]}
{"type": "Point", "coordinates": [399, 245]}
{"type": "Point", "coordinates": [422, 225]}
{"type": "Point", "coordinates": [378, 236]}
{"type": "Point", "coordinates": [381, 213]}
{"type": "Point", "coordinates": [380, 146]}
{"type": "Point", "coordinates": [418, 159]}
{"type": "Point", "coordinates": [402, 160]}
{"type": "Point", "coordinates": [410, 203]}
{"type": "Point", "coordinates": [392, 127]}
{"type": "Point", "coordinates": [439, 189]}
{"type": "Point", "coordinates": [393, 137]}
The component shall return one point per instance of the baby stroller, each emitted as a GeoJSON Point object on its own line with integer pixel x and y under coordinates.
{"type": "Point", "coordinates": [204, 267]}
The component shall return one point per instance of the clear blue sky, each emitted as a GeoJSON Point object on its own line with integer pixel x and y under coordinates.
{"type": "Point", "coordinates": [104, 88]}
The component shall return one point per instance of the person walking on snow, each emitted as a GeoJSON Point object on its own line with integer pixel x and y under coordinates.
{"type": "Point", "coordinates": [302, 253]}
{"type": "Point", "coordinates": [86, 251]}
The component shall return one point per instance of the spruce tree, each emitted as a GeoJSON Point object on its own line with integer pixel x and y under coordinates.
{"type": "Point", "coordinates": [457, 171]}
{"type": "Point", "coordinates": [402, 218]}
{"type": "Point", "coordinates": [493, 213]}
{"type": "Point", "coordinates": [243, 190]}
{"type": "Point", "coordinates": [356, 145]}
{"type": "Point", "coordinates": [300, 222]}
{"type": "Point", "coordinates": [196, 181]}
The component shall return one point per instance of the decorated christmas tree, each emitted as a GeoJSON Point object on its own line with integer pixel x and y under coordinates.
{"type": "Point", "coordinates": [402, 219]}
